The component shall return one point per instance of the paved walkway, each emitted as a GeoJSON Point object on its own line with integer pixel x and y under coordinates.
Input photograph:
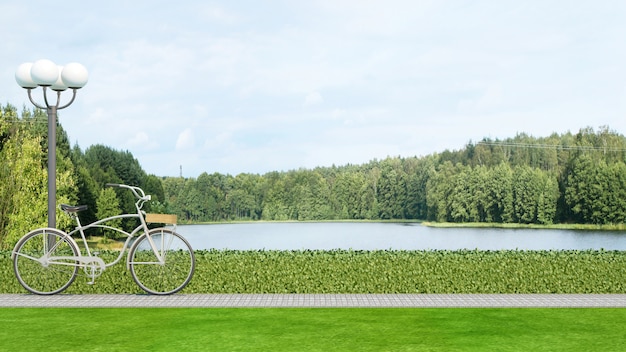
{"type": "Point", "coordinates": [319, 300]}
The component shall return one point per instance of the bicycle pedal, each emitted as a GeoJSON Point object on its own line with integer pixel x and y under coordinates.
{"type": "Point", "coordinates": [95, 254]}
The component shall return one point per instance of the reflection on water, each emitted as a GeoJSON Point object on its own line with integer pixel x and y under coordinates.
{"type": "Point", "coordinates": [397, 236]}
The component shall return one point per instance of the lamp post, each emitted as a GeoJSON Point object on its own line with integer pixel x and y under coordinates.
{"type": "Point", "coordinates": [44, 73]}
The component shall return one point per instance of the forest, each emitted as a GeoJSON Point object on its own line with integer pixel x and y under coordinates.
{"type": "Point", "coordinates": [562, 178]}
{"type": "Point", "coordinates": [567, 178]}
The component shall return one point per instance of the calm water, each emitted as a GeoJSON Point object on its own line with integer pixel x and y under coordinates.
{"type": "Point", "coordinates": [399, 236]}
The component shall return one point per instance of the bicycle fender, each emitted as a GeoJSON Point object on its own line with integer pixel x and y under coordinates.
{"type": "Point", "coordinates": [47, 229]}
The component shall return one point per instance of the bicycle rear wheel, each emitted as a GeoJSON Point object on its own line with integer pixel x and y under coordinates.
{"type": "Point", "coordinates": [168, 275]}
{"type": "Point", "coordinates": [39, 264]}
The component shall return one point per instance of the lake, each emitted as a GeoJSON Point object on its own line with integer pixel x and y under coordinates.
{"type": "Point", "coordinates": [396, 236]}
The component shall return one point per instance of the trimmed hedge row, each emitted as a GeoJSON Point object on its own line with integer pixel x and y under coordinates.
{"type": "Point", "coordinates": [385, 271]}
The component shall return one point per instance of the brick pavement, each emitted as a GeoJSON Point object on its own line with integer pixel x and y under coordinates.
{"type": "Point", "coordinates": [319, 300]}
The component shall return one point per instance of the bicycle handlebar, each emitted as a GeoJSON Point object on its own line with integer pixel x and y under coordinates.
{"type": "Point", "coordinates": [138, 192]}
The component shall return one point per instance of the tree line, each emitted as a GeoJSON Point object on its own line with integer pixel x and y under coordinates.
{"type": "Point", "coordinates": [563, 178]}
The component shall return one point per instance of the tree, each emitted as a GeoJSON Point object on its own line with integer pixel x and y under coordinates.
{"type": "Point", "coordinates": [107, 165]}
{"type": "Point", "coordinates": [274, 205]}
{"type": "Point", "coordinates": [439, 189]}
{"type": "Point", "coordinates": [191, 202]}
{"type": "Point", "coordinates": [535, 195]}
{"type": "Point", "coordinates": [548, 198]}
{"type": "Point", "coordinates": [241, 203]}
{"type": "Point", "coordinates": [86, 186]}
{"type": "Point", "coordinates": [8, 117]}
{"type": "Point", "coordinates": [391, 187]}
{"type": "Point", "coordinates": [108, 205]}
{"type": "Point", "coordinates": [27, 188]}
{"type": "Point", "coordinates": [579, 187]}
{"type": "Point", "coordinates": [152, 185]}
{"type": "Point", "coordinates": [172, 189]}
{"type": "Point", "coordinates": [417, 180]}
{"type": "Point", "coordinates": [499, 200]}
{"type": "Point", "coordinates": [616, 195]}
{"type": "Point", "coordinates": [525, 194]}
{"type": "Point", "coordinates": [347, 191]}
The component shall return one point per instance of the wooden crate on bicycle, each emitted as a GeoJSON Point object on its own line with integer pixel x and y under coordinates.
{"type": "Point", "coordinates": [161, 218]}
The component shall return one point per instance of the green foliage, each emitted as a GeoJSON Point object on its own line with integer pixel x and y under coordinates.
{"type": "Point", "coordinates": [596, 191]}
{"type": "Point", "coordinates": [100, 165]}
{"type": "Point", "coordinates": [410, 272]}
{"type": "Point", "coordinates": [23, 175]}
{"type": "Point", "coordinates": [108, 205]}
{"type": "Point", "coordinates": [29, 185]}
{"type": "Point", "coordinates": [86, 187]}
{"type": "Point", "coordinates": [347, 271]}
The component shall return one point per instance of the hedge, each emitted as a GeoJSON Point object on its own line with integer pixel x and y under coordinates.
{"type": "Point", "coordinates": [380, 271]}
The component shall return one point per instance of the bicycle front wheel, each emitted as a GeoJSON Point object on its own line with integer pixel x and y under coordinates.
{"type": "Point", "coordinates": [44, 261]}
{"type": "Point", "coordinates": [161, 262]}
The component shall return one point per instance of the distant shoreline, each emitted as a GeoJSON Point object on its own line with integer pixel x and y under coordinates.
{"type": "Point", "coordinates": [581, 227]}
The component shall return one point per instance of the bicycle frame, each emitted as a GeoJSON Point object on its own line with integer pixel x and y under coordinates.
{"type": "Point", "coordinates": [101, 224]}
{"type": "Point", "coordinates": [88, 258]}
{"type": "Point", "coordinates": [59, 256]}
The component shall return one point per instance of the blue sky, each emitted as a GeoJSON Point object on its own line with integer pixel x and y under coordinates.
{"type": "Point", "coordinates": [259, 86]}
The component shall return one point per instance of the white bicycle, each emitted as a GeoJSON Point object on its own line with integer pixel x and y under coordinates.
{"type": "Point", "coordinates": [47, 260]}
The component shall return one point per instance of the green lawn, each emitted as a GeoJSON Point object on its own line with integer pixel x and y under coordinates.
{"type": "Point", "coordinates": [318, 329]}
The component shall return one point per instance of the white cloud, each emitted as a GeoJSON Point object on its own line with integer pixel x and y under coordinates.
{"type": "Point", "coordinates": [97, 116]}
{"type": "Point", "coordinates": [139, 139]}
{"type": "Point", "coordinates": [142, 141]}
{"type": "Point", "coordinates": [313, 98]}
{"type": "Point", "coordinates": [217, 141]}
{"type": "Point", "coordinates": [186, 140]}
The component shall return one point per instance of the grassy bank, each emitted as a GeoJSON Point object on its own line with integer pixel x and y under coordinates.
{"type": "Point", "coordinates": [408, 221]}
{"type": "Point", "coordinates": [345, 271]}
{"type": "Point", "coordinates": [582, 227]}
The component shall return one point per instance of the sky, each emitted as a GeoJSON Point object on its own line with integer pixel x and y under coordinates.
{"type": "Point", "coordinates": [259, 86]}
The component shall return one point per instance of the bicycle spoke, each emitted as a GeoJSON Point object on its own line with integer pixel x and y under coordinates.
{"type": "Point", "coordinates": [169, 274]}
{"type": "Point", "coordinates": [33, 268]}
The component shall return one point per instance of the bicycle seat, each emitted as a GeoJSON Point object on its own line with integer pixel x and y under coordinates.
{"type": "Point", "coordinates": [73, 208]}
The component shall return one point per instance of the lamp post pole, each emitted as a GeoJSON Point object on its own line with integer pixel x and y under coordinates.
{"type": "Point", "coordinates": [45, 74]}
{"type": "Point", "coordinates": [52, 166]}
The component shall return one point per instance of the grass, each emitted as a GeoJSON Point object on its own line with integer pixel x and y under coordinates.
{"type": "Point", "coordinates": [581, 227]}
{"type": "Point", "coordinates": [247, 221]}
{"type": "Point", "coordinates": [317, 329]}
{"type": "Point", "coordinates": [101, 243]}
